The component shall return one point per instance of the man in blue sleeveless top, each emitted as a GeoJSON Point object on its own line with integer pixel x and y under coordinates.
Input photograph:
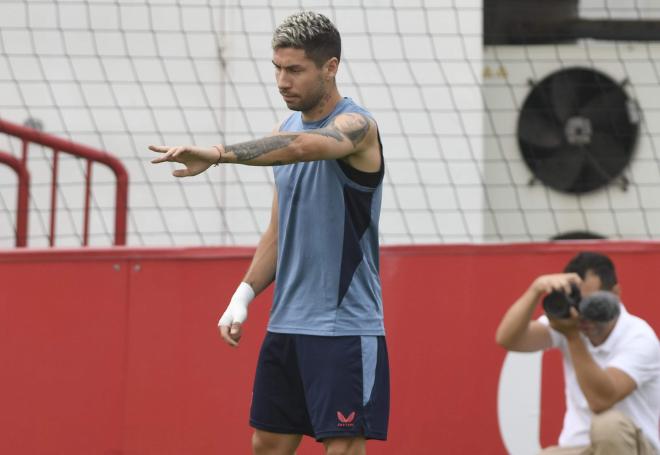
{"type": "Point", "coordinates": [323, 368]}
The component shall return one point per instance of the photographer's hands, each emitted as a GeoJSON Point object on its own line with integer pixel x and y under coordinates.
{"type": "Point", "coordinates": [545, 284]}
{"type": "Point", "coordinates": [517, 331]}
{"type": "Point", "coordinates": [569, 327]}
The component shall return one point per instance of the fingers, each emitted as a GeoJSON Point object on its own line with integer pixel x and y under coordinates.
{"type": "Point", "coordinates": [166, 151]}
{"type": "Point", "coordinates": [159, 148]}
{"type": "Point", "coordinates": [570, 279]}
{"type": "Point", "coordinates": [557, 282]}
{"type": "Point", "coordinates": [181, 172]}
{"type": "Point", "coordinates": [544, 284]}
{"type": "Point", "coordinates": [574, 278]}
{"type": "Point", "coordinates": [562, 283]}
{"type": "Point", "coordinates": [195, 159]}
{"type": "Point", "coordinates": [169, 153]}
{"type": "Point", "coordinates": [226, 333]}
{"type": "Point", "coordinates": [231, 334]}
{"type": "Point", "coordinates": [565, 285]}
{"type": "Point", "coordinates": [236, 331]}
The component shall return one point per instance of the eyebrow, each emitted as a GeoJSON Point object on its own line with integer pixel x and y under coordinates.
{"type": "Point", "coordinates": [287, 67]}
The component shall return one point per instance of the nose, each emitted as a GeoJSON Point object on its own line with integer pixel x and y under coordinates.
{"type": "Point", "coordinates": [283, 81]}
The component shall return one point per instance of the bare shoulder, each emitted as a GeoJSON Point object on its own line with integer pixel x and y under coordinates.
{"type": "Point", "coordinates": [362, 131]}
{"type": "Point", "coordinates": [357, 127]}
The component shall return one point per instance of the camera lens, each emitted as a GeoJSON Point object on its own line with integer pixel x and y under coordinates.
{"type": "Point", "coordinates": [558, 304]}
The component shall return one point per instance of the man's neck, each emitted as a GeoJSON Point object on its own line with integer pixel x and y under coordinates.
{"type": "Point", "coordinates": [324, 107]}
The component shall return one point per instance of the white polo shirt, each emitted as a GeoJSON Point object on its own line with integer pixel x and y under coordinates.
{"type": "Point", "coordinates": [633, 348]}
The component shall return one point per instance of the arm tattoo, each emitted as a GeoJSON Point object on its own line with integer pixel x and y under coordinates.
{"type": "Point", "coordinates": [354, 126]}
{"type": "Point", "coordinates": [246, 151]}
{"type": "Point", "coordinates": [327, 132]}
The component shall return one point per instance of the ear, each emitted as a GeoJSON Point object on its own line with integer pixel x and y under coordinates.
{"type": "Point", "coordinates": [617, 289]}
{"type": "Point", "coordinates": [331, 67]}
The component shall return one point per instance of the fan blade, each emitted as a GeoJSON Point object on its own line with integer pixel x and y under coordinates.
{"type": "Point", "coordinates": [606, 157]}
{"type": "Point", "coordinates": [564, 88]}
{"type": "Point", "coordinates": [559, 167]}
{"type": "Point", "coordinates": [607, 112]}
{"type": "Point", "coordinates": [565, 167]}
{"type": "Point", "coordinates": [573, 88]}
{"type": "Point", "coordinates": [537, 127]}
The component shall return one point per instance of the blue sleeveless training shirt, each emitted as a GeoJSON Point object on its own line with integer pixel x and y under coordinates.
{"type": "Point", "coordinates": [327, 279]}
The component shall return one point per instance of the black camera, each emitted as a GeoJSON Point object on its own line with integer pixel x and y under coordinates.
{"type": "Point", "coordinates": [558, 304]}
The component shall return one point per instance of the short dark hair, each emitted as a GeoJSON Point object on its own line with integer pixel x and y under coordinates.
{"type": "Point", "coordinates": [598, 263]}
{"type": "Point", "coordinates": [312, 32]}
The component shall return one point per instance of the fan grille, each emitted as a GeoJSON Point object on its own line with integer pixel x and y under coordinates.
{"type": "Point", "coordinates": [577, 130]}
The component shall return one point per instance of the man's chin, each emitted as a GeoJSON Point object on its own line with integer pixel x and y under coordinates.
{"type": "Point", "coordinates": [293, 106]}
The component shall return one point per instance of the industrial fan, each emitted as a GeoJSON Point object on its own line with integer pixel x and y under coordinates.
{"type": "Point", "coordinates": [577, 130]}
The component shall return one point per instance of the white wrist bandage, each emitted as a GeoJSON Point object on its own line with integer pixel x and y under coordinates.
{"type": "Point", "coordinates": [236, 312]}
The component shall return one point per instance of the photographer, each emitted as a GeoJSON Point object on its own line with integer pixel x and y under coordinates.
{"type": "Point", "coordinates": [611, 358]}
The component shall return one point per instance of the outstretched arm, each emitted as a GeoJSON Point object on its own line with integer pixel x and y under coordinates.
{"type": "Point", "coordinates": [343, 137]}
{"type": "Point", "coordinates": [350, 136]}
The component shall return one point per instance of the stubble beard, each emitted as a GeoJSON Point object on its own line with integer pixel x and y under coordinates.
{"type": "Point", "coordinates": [315, 101]}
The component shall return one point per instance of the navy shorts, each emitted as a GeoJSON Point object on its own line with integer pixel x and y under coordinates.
{"type": "Point", "coordinates": [322, 386]}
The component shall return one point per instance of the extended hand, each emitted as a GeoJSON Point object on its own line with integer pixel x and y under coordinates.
{"type": "Point", "coordinates": [196, 159]}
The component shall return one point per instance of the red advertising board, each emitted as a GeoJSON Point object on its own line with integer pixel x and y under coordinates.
{"type": "Point", "coordinates": [116, 351]}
